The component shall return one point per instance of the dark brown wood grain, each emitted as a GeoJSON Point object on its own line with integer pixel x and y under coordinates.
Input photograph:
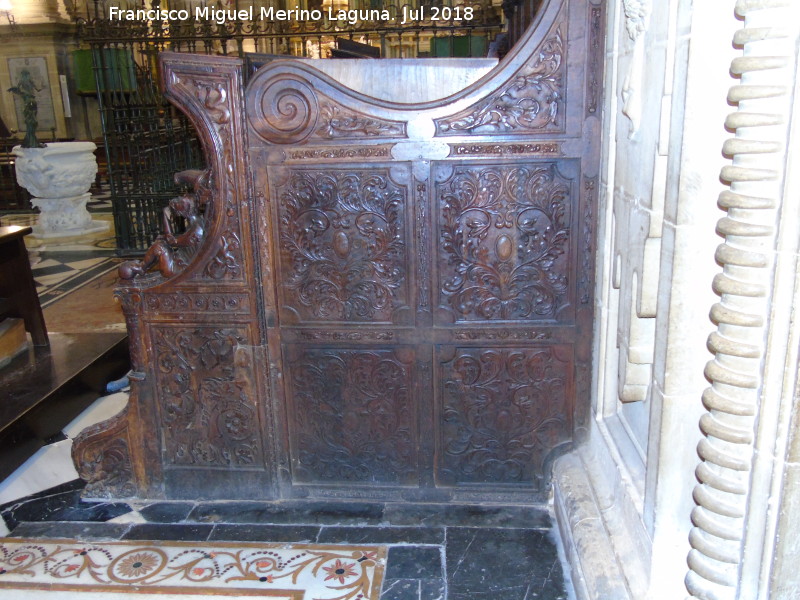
{"type": "Point", "coordinates": [388, 301]}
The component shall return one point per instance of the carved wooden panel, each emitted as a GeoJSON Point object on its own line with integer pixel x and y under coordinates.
{"type": "Point", "coordinates": [370, 299]}
{"type": "Point", "coordinates": [208, 412]}
{"type": "Point", "coordinates": [502, 411]}
{"type": "Point", "coordinates": [533, 101]}
{"type": "Point", "coordinates": [343, 247]}
{"type": "Point", "coordinates": [353, 416]}
{"type": "Point", "coordinates": [504, 241]}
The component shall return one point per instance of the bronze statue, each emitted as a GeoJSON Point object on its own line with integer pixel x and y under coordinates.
{"type": "Point", "coordinates": [26, 90]}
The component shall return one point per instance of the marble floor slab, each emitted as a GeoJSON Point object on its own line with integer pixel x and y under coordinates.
{"type": "Point", "coordinates": [285, 571]}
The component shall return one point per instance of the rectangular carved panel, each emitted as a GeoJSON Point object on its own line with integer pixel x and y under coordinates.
{"type": "Point", "coordinates": [353, 415]}
{"type": "Point", "coordinates": [502, 410]}
{"type": "Point", "coordinates": [504, 241]}
{"type": "Point", "coordinates": [208, 412]}
{"type": "Point", "coordinates": [343, 244]}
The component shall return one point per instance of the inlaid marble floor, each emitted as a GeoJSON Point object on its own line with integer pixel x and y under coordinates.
{"type": "Point", "coordinates": [434, 550]}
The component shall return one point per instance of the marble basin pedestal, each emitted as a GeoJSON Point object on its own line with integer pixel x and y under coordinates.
{"type": "Point", "coordinates": [59, 176]}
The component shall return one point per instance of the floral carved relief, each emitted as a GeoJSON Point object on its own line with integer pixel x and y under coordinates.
{"type": "Point", "coordinates": [354, 417]}
{"type": "Point", "coordinates": [208, 414]}
{"type": "Point", "coordinates": [532, 101]}
{"type": "Point", "coordinates": [285, 109]}
{"type": "Point", "coordinates": [504, 242]}
{"type": "Point", "coordinates": [343, 245]}
{"type": "Point", "coordinates": [106, 467]}
{"type": "Point", "coordinates": [502, 412]}
{"type": "Point", "coordinates": [338, 122]}
{"type": "Point", "coordinates": [214, 96]}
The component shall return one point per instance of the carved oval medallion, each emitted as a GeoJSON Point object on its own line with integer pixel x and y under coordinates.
{"type": "Point", "coordinates": [504, 246]}
{"type": "Point", "coordinates": [341, 244]}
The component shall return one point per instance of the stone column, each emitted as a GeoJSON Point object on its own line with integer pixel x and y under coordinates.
{"type": "Point", "coordinates": [753, 374]}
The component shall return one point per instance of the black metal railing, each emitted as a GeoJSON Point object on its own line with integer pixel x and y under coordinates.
{"type": "Point", "coordinates": [146, 140]}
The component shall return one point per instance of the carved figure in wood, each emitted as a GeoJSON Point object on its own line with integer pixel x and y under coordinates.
{"type": "Point", "coordinates": [161, 253]}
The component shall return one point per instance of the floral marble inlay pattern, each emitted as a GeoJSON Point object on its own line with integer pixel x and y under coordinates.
{"type": "Point", "coordinates": [292, 571]}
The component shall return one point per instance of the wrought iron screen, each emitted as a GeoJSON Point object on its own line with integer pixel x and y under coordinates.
{"type": "Point", "coordinates": [147, 140]}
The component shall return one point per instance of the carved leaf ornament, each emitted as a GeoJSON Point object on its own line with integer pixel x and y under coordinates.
{"type": "Point", "coordinates": [353, 418]}
{"type": "Point", "coordinates": [503, 412]}
{"type": "Point", "coordinates": [209, 417]}
{"type": "Point", "coordinates": [504, 234]}
{"type": "Point", "coordinates": [529, 102]}
{"type": "Point", "coordinates": [342, 243]}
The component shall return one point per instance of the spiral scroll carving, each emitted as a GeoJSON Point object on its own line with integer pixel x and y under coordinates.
{"type": "Point", "coordinates": [732, 401]}
{"type": "Point", "coordinates": [282, 110]}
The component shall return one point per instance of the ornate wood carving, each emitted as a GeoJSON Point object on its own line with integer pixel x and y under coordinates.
{"type": "Point", "coordinates": [504, 242]}
{"type": "Point", "coordinates": [502, 412]}
{"type": "Point", "coordinates": [284, 110]}
{"type": "Point", "coordinates": [340, 335]}
{"type": "Point", "coordinates": [208, 98]}
{"type": "Point", "coordinates": [501, 334]}
{"type": "Point", "coordinates": [183, 302]}
{"type": "Point", "coordinates": [354, 416]}
{"type": "Point", "coordinates": [491, 149]}
{"type": "Point", "coordinates": [594, 62]}
{"type": "Point", "coordinates": [208, 412]}
{"type": "Point", "coordinates": [586, 269]}
{"type": "Point", "coordinates": [423, 248]}
{"type": "Point", "coordinates": [365, 309]}
{"type": "Point", "coordinates": [172, 251]}
{"type": "Point", "coordinates": [102, 458]}
{"type": "Point", "coordinates": [343, 245]}
{"type": "Point", "coordinates": [337, 122]}
{"type": "Point", "coordinates": [384, 151]}
{"type": "Point", "coordinates": [532, 101]}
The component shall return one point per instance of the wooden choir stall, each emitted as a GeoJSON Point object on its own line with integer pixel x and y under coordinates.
{"type": "Point", "coordinates": [371, 299]}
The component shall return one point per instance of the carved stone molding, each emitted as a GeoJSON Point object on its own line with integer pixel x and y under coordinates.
{"type": "Point", "coordinates": [728, 450]}
{"type": "Point", "coordinates": [637, 15]}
